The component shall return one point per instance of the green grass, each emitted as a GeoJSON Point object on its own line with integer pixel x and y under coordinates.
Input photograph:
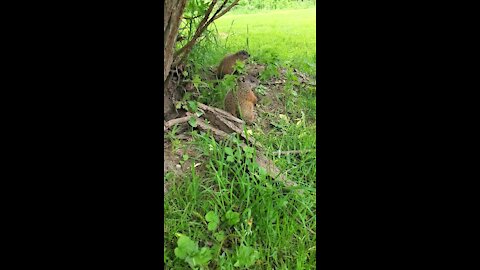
{"type": "Point", "coordinates": [277, 223]}
{"type": "Point", "coordinates": [286, 35]}
{"type": "Point", "coordinates": [275, 228]}
{"type": "Point", "coordinates": [255, 6]}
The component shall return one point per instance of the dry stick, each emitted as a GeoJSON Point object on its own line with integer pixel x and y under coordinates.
{"type": "Point", "coordinates": [175, 121]}
{"type": "Point", "coordinates": [219, 134]}
{"type": "Point", "coordinates": [225, 117]}
{"type": "Point", "coordinates": [277, 82]}
{"type": "Point", "coordinates": [293, 152]}
{"type": "Point", "coordinates": [220, 111]}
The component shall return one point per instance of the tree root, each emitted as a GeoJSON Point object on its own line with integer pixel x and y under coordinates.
{"type": "Point", "coordinates": [176, 121]}
{"type": "Point", "coordinates": [230, 125]}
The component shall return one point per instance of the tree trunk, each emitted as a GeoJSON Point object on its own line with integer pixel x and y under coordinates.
{"type": "Point", "coordinates": [172, 11]}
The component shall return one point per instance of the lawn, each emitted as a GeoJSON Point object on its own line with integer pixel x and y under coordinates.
{"type": "Point", "coordinates": [289, 35]}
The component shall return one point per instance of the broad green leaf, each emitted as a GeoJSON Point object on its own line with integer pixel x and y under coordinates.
{"type": "Point", "coordinates": [219, 236]}
{"type": "Point", "coordinates": [213, 220]}
{"type": "Point", "coordinates": [232, 217]}
{"type": "Point", "coordinates": [204, 256]}
{"type": "Point", "coordinates": [229, 151]}
{"type": "Point", "coordinates": [212, 217]}
{"type": "Point", "coordinates": [192, 105]}
{"type": "Point", "coordinates": [185, 247]}
{"type": "Point", "coordinates": [212, 226]}
{"type": "Point", "coordinates": [193, 121]}
{"type": "Point", "coordinates": [246, 256]}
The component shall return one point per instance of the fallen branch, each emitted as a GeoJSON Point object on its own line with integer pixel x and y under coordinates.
{"type": "Point", "coordinates": [225, 114]}
{"type": "Point", "coordinates": [219, 134]}
{"type": "Point", "coordinates": [227, 119]}
{"type": "Point", "coordinates": [169, 124]}
{"type": "Point", "coordinates": [293, 152]}
{"type": "Point", "coordinates": [277, 82]}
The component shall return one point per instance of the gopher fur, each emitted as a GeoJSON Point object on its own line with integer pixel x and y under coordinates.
{"type": "Point", "coordinates": [241, 102]}
{"type": "Point", "coordinates": [228, 63]}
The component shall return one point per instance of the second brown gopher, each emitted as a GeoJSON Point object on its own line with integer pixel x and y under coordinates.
{"type": "Point", "coordinates": [241, 102]}
{"type": "Point", "coordinates": [228, 63]}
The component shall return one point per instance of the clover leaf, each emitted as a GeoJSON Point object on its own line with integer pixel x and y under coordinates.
{"type": "Point", "coordinates": [213, 220]}
{"type": "Point", "coordinates": [232, 217]}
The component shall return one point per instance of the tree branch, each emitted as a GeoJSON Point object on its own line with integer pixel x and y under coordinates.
{"type": "Point", "coordinates": [201, 28]}
{"type": "Point", "coordinates": [197, 32]}
{"type": "Point", "coordinates": [226, 10]}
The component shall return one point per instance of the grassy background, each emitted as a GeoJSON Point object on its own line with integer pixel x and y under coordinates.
{"type": "Point", "coordinates": [286, 35]}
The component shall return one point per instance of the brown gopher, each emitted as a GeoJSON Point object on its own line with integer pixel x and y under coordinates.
{"type": "Point", "coordinates": [240, 103]}
{"type": "Point", "coordinates": [228, 63]}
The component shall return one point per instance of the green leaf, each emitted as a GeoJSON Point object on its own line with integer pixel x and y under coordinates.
{"type": "Point", "coordinates": [248, 149]}
{"type": "Point", "coordinates": [193, 121]}
{"type": "Point", "coordinates": [219, 236]}
{"type": "Point", "coordinates": [180, 253]}
{"type": "Point", "coordinates": [186, 247]}
{"type": "Point", "coordinates": [246, 256]}
{"type": "Point", "coordinates": [212, 226]}
{"type": "Point", "coordinates": [203, 257]}
{"type": "Point", "coordinates": [213, 220]}
{"type": "Point", "coordinates": [230, 159]}
{"type": "Point", "coordinates": [212, 217]}
{"type": "Point", "coordinates": [229, 151]}
{"type": "Point", "coordinates": [232, 217]}
{"type": "Point", "coordinates": [196, 80]}
{"type": "Point", "coordinates": [192, 105]}
{"type": "Point", "coordinates": [200, 259]}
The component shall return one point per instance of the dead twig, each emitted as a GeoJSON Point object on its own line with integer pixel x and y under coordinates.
{"type": "Point", "coordinates": [293, 152]}
{"type": "Point", "coordinates": [220, 111]}
{"type": "Point", "coordinates": [169, 124]}
{"type": "Point", "coordinates": [276, 82]}
{"type": "Point", "coordinates": [219, 134]}
{"type": "Point", "coordinates": [227, 119]}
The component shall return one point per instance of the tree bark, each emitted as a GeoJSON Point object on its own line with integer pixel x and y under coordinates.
{"type": "Point", "coordinates": [172, 11]}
